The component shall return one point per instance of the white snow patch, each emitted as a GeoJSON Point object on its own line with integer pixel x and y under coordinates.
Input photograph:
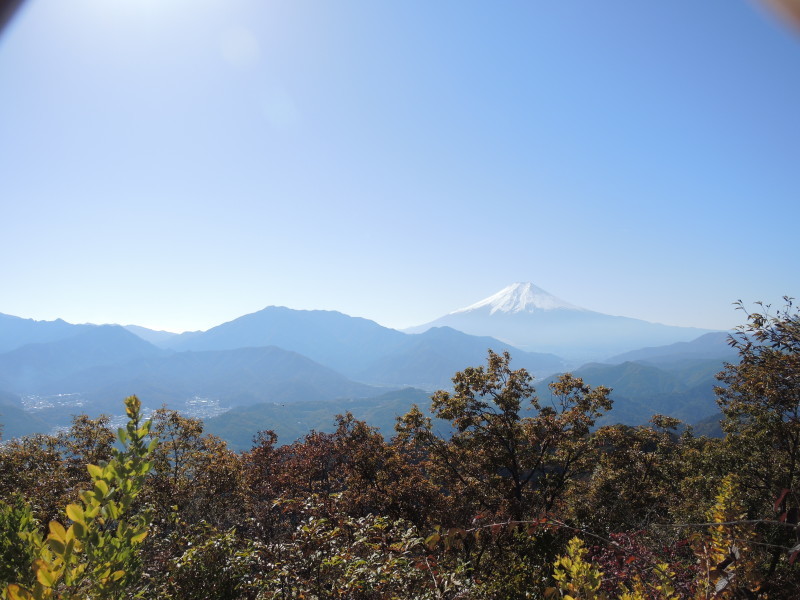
{"type": "Point", "coordinates": [519, 297]}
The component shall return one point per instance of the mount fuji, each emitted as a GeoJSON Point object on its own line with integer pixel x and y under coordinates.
{"type": "Point", "coordinates": [534, 320]}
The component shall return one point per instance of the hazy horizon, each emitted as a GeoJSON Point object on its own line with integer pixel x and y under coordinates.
{"type": "Point", "coordinates": [178, 164]}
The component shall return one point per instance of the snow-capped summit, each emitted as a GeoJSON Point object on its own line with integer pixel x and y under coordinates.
{"type": "Point", "coordinates": [517, 298]}
{"type": "Point", "coordinates": [531, 319]}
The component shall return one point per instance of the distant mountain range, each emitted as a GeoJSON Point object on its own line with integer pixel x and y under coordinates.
{"type": "Point", "coordinates": [709, 346]}
{"type": "Point", "coordinates": [531, 319]}
{"type": "Point", "coordinates": [16, 332]}
{"type": "Point", "coordinates": [90, 368]}
{"type": "Point", "coordinates": [280, 363]}
{"type": "Point", "coordinates": [42, 366]}
{"type": "Point", "coordinates": [359, 348]}
{"type": "Point", "coordinates": [684, 390]}
{"type": "Point", "coordinates": [293, 421]}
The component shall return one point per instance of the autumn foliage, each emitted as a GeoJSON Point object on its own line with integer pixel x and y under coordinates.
{"type": "Point", "coordinates": [521, 496]}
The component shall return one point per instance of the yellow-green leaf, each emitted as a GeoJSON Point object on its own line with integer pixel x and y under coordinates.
{"type": "Point", "coordinates": [44, 575]}
{"type": "Point", "coordinates": [432, 540]}
{"type": "Point", "coordinates": [101, 488]}
{"type": "Point", "coordinates": [56, 545]}
{"type": "Point", "coordinates": [57, 531]}
{"type": "Point", "coordinates": [139, 537]}
{"type": "Point", "coordinates": [16, 592]}
{"type": "Point", "coordinates": [75, 512]}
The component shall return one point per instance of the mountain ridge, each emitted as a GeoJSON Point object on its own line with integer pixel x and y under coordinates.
{"type": "Point", "coordinates": [281, 355]}
{"type": "Point", "coordinates": [17, 331]}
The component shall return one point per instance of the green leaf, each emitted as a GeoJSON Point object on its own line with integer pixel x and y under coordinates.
{"type": "Point", "coordinates": [56, 545]}
{"type": "Point", "coordinates": [79, 529]}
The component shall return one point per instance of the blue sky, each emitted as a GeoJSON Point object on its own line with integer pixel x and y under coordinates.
{"type": "Point", "coordinates": [177, 164]}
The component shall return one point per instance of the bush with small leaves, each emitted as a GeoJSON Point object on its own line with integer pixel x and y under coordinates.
{"type": "Point", "coordinates": [355, 558]}
{"type": "Point", "coordinates": [95, 557]}
{"type": "Point", "coordinates": [16, 556]}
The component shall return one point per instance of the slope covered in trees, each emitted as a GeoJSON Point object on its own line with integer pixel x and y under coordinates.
{"type": "Point", "coordinates": [505, 502]}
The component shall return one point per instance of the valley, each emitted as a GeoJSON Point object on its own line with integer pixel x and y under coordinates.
{"type": "Point", "coordinates": [292, 371]}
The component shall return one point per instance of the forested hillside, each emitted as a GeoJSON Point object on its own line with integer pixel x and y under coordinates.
{"type": "Point", "coordinates": [507, 495]}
